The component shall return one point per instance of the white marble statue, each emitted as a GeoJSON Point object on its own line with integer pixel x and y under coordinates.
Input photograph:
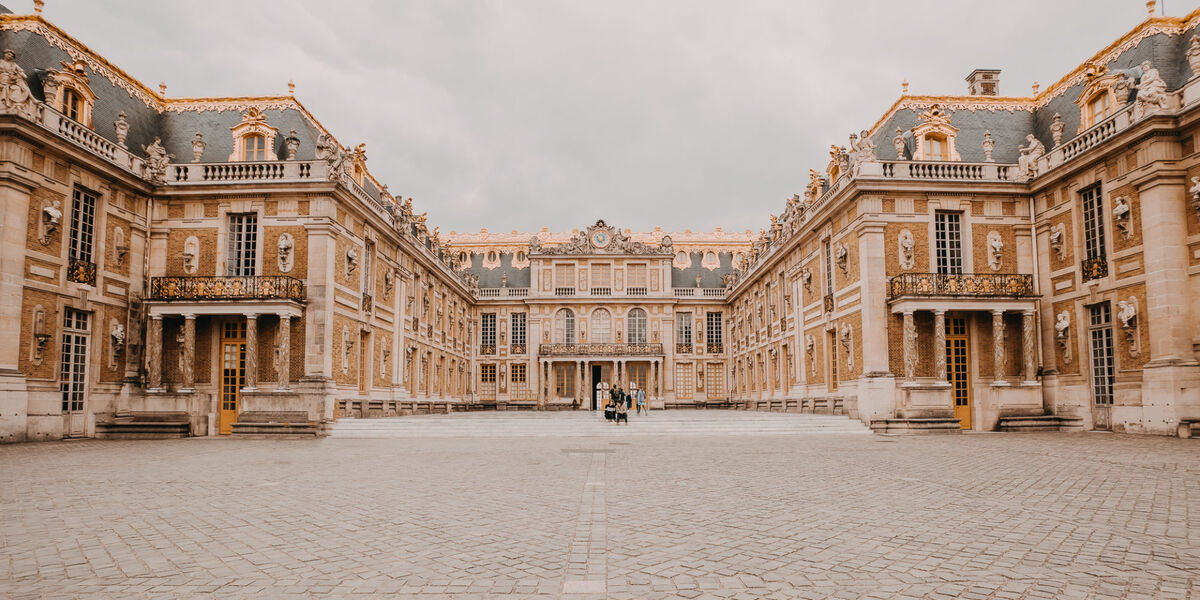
{"type": "Point", "coordinates": [1120, 214]}
{"type": "Point", "coordinates": [1056, 130]}
{"type": "Point", "coordinates": [285, 245]}
{"type": "Point", "coordinates": [191, 255]}
{"type": "Point", "coordinates": [898, 144]}
{"type": "Point", "coordinates": [988, 145]}
{"type": "Point", "coordinates": [1057, 240]}
{"type": "Point", "coordinates": [863, 151]}
{"type": "Point", "coordinates": [118, 336]}
{"type": "Point", "coordinates": [1027, 164]}
{"type": "Point", "coordinates": [198, 145]}
{"type": "Point", "coordinates": [907, 248]}
{"type": "Point", "coordinates": [1062, 326]}
{"type": "Point", "coordinates": [292, 143]}
{"type": "Point", "coordinates": [810, 343]}
{"type": "Point", "coordinates": [51, 218]}
{"type": "Point", "coordinates": [842, 255]}
{"type": "Point", "coordinates": [1127, 313]}
{"type": "Point", "coordinates": [1151, 92]}
{"type": "Point", "coordinates": [351, 260]}
{"type": "Point", "coordinates": [15, 97]}
{"type": "Point", "coordinates": [121, 127]}
{"type": "Point", "coordinates": [995, 250]}
{"type": "Point", "coordinates": [1193, 54]}
{"type": "Point", "coordinates": [157, 161]}
{"type": "Point", "coordinates": [1195, 193]}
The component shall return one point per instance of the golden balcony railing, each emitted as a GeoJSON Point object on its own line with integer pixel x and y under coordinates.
{"type": "Point", "coordinates": [600, 349]}
{"type": "Point", "coordinates": [1094, 268]}
{"type": "Point", "coordinates": [516, 349]}
{"type": "Point", "coordinates": [683, 348]}
{"type": "Point", "coordinates": [714, 348]}
{"type": "Point", "coordinates": [985, 285]}
{"type": "Point", "coordinates": [81, 271]}
{"type": "Point", "coordinates": [487, 349]}
{"type": "Point", "coordinates": [273, 287]}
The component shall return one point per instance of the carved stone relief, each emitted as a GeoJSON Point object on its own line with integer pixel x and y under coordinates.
{"type": "Point", "coordinates": [120, 246]}
{"type": "Point", "coordinates": [846, 337]}
{"type": "Point", "coordinates": [286, 245]}
{"type": "Point", "coordinates": [1121, 216]}
{"type": "Point", "coordinates": [15, 97]}
{"type": "Point", "coordinates": [191, 255]}
{"type": "Point", "coordinates": [1058, 240]}
{"type": "Point", "coordinates": [1127, 313]}
{"type": "Point", "coordinates": [841, 255]}
{"type": "Point", "coordinates": [50, 221]}
{"type": "Point", "coordinates": [995, 250]}
{"type": "Point", "coordinates": [1152, 96]}
{"type": "Point", "coordinates": [198, 145]}
{"type": "Point", "coordinates": [907, 244]}
{"type": "Point", "coordinates": [1062, 332]}
{"type": "Point", "coordinates": [351, 260]}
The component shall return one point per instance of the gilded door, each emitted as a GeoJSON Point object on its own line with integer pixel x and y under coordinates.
{"type": "Point", "coordinates": [958, 370]}
{"type": "Point", "coordinates": [233, 372]}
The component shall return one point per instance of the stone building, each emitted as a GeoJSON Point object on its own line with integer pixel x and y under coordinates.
{"type": "Point", "coordinates": [988, 261]}
{"type": "Point", "coordinates": [204, 266]}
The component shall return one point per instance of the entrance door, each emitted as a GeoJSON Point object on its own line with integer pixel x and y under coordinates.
{"type": "Point", "coordinates": [233, 372]}
{"type": "Point", "coordinates": [487, 382]}
{"type": "Point", "coordinates": [1101, 337]}
{"type": "Point", "coordinates": [600, 385]}
{"type": "Point", "coordinates": [958, 371]}
{"type": "Point", "coordinates": [73, 382]}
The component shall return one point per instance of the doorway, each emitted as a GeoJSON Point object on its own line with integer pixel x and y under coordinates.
{"type": "Point", "coordinates": [1100, 336]}
{"type": "Point", "coordinates": [73, 382]}
{"type": "Point", "coordinates": [600, 385]}
{"type": "Point", "coordinates": [233, 373]}
{"type": "Point", "coordinates": [958, 368]}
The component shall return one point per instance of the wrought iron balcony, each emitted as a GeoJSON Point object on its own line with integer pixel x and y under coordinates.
{"type": "Point", "coordinates": [487, 349]}
{"type": "Point", "coordinates": [516, 349]}
{"type": "Point", "coordinates": [986, 285]}
{"type": "Point", "coordinates": [683, 348]}
{"type": "Point", "coordinates": [600, 349]}
{"type": "Point", "coordinates": [81, 271]}
{"type": "Point", "coordinates": [1094, 268]}
{"type": "Point", "coordinates": [714, 348]}
{"type": "Point", "coordinates": [275, 287]}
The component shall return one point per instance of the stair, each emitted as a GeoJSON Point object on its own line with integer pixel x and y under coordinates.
{"type": "Point", "coordinates": [1040, 423]}
{"type": "Point", "coordinates": [916, 426]}
{"type": "Point", "coordinates": [146, 426]}
{"type": "Point", "coordinates": [592, 423]}
{"type": "Point", "coordinates": [275, 424]}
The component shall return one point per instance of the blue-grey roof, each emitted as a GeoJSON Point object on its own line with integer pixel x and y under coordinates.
{"type": "Point", "coordinates": [491, 278]}
{"type": "Point", "coordinates": [686, 278]}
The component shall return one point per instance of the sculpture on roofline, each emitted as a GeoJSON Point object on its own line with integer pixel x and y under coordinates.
{"type": "Point", "coordinates": [1056, 129]}
{"type": "Point", "coordinates": [121, 127]}
{"type": "Point", "coordinates": [1027, 164]}
{"type": "Point", "coordinates": [1151, 92]}
{"type": "Point", "coordinates": [988, 145]}
{"type": "Point", "coordinates": [1193, 54]}
{"type": "Point", "coordinates": [157, 161]}
{"type": "Point", "coordinates": [15, 97]}
{"type": "Point", "coordinates": [898, 144]}
{"type": "Point", "coordinates": [863, 150]}
{"type": "Point", "coordinates": [198, 145]}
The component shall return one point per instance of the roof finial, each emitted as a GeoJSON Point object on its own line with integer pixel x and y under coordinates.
{"type": "Point", "coordinates": [38, 5]}
{"type": "Point", "coordinates": [904, 88]}
{"type": "Point", "coordinates": [292, 87]}
{"type": "Point", "coordinates": [1150, 7]}
{"type": "Point", "coordinates": [162, 88]}
{"type": "Point", "coordinates": [1035, 88]}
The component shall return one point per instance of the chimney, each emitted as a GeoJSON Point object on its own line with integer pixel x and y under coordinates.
{"type": "Point", "coordinates": [984, 82]}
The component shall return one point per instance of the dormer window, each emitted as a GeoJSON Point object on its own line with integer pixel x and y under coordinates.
{"type": "Point", "coordinates": [935, 136]}
{"type": "Point", "coordinates": [1099, 98]}
{"type": "Point", "coordinates": [1098, 108]}
{"type": "Point", "coordinates": [254, 147]}
{"type": "Point", "coordinates": [72, 104]}
{"type": "Point", "coordinates": [253, 138]}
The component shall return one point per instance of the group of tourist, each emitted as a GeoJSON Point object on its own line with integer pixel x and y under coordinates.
{"type": "Point", "coordinates": [620, 402]}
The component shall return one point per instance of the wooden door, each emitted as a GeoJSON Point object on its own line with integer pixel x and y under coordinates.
{"type": "Point", "coordinates": [958, 371]}
{"type": "Point", "coordinates": [233, 373]}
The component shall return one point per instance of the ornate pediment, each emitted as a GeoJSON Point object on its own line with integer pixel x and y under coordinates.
{"type": "Point", "coordinates": [602, 238]}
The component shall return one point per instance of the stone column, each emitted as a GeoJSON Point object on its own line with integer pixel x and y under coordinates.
{"type": "Point", "coordinates": [1164, 217]}
{"type": "Point", "coordinates": [939, 345]}
{"type": "Point", "coordinates": [15, 202]}
{"type": "Point", "coordinates": [871, 262]}
{"type": "Point", "coordinates": [283, 339]}
{"type": "Point", "coordinates": [154, 353]}
{"type": "Point", "coordinates": [251, 374]}
{"type": "Point", "coordinates": [910, 347]}
{"type": "Point", "coordinates": [189, 353]}
{"type": "Point", "coordinates": [1029, 346]}
{"type": "Point", "coordinates": [1000, 362]}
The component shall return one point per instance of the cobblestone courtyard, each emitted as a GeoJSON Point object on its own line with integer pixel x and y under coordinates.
{"type": "Point", "coordinates": [624, 516]}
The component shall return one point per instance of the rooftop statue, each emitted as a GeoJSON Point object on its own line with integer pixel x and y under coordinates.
{"type": "Point", "coordinates": [1151, 92]}
{"type": "Point", "coordinates": [15, 97]}
{"type": "Point", "coordinates": [1027, 164]}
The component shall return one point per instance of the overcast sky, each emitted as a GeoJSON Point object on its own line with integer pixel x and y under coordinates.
{"type": "Point", "coordinates": [518, 114]}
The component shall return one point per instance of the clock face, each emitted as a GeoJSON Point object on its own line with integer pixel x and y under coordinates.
{"type": "Point", "coordinates": [600, 239]}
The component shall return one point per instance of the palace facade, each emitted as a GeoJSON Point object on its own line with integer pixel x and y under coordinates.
{"type": "Point", "coordinates": [208, 266]}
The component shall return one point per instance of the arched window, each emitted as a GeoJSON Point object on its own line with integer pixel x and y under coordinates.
{"type": "Point", "coordinates": [601, 326]}
{"type": "Point", "coordinates": [935, 147]}
{"type": "Point", "coordinates": [636, 326]}
{"type": "Point", "coordinates": [254, 147]}
{"type": "Point", "coordinates": [564, 326]}
{"type": "Point", "coordinates": [1098, 108]}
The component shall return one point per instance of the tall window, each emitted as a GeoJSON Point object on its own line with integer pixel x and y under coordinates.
{"type": "Point", "coordinates": [713, 331]}
{"type": "Point", "coordinates": [601, 326]}
{"type": "Point", "coordinates": [1100, 332]}
{"type": "Point", "coordinates": [487, 381]}
{"type": "Point", "coordinates": [947, 228]}
{"type": "Point", "coordinates": [828, 247]}
{"type": "Point", "coordinates": [518, 388]}
{"type": "Point", "coordinates": [683, 328]}
{"type": "Point", "coordinates": [564, 326]}
{"type": "Point", "coordinates": [83, 225]}
{"type": "Point", "coordinates": [684, 380]}
{"type": "Point", "coordinates": [564, 279]}
{"type": "Point", "coordinates": [636, 326]}
{"type": "Point", "coordinates": [602, 279]}
{"type": "Point", "coordinates": [487, 332]}
{"type": "Point", "coordinates": [254, 147]}
{"type": "Point", "coordinates": [1097, 109]}
{"type": "Point", "coordinates": [73, 380]}
{"type": "Point", "coordinates": [243, 245]}
{"type": "Point", "coordinates": [72, 105]}
{"type": "Point", "coordinates": [564, 380]}
{"type": "Point", "coordinates": [368, 270]}
{"type": "Point", "coordinates": [637, 278]}
{"type": "Point", "coordinates": [1093, 223]}
{"type": "Point", "coordinates": [518, 332]}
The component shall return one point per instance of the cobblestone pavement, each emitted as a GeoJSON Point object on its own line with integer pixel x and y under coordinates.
{"type": "Point", "coordinates": [627, 516]}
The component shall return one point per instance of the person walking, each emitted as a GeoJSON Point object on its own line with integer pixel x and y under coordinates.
{"type": "Point", "coordinates": [641, 402]}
